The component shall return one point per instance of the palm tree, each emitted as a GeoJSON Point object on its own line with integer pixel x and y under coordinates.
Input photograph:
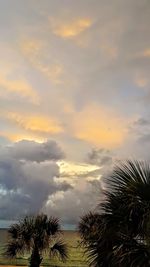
{"type": "Point", "coordinates": [36, 234]}
{"type": "Point", "coordinates": [119, 234]}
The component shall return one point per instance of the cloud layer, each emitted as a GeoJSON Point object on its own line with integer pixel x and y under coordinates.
{"type": "Point", "coordinates": [28, 172]}
{"type": "Point", "coordinates": [76, 72]}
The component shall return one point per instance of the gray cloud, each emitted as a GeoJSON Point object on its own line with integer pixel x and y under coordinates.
{"type": "Point", "coordinates": [85, 194]}
{"type": "Point", "coordinates": [100, 157]}
{"type": "Point", "coordinates": [142, 122]}
{"type": "Point", "coordinates": [26, 185]}
{"type": "Point", "coordinates": [72, 204]}
{"type": "Point", "coordinates": [33, 151]}
{"type": "Point", "coordinates": [31, 183]}
{"type": "Point", "coordinates": [140, 131]}
{"type": "Point", "coordinates": [144, 139]}
{"type": "Point", "coordinates": [107, 65]}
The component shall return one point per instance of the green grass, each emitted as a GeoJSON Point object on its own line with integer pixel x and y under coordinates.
{"type": "Point", "coordinates": [76, 253]}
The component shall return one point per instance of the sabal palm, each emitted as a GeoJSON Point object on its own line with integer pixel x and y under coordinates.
{"type": "Point", "coordinates": [121, 230]}
{"type": "Point", "coordinates": [35, 234]}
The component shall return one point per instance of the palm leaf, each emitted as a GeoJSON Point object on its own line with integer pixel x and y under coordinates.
{"type": "Point", "coordinates": [59, 250]}
{"type": "Point", "coordinates": [119, 234]}
{"type": "Point", "coordinates": [13, 248]}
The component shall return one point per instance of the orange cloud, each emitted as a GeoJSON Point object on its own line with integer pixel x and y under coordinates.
{"type": "Point", "coordinates": [146, 52]}
{"type": "Point", "coordinates": [15, 137]}
{"type": "Point", "coordinates": [18, 87]}
{"type": "Point", "coordinates": [70, 29]}
{"type": "Point", "coordinates": [141, 82]}
{"type": "Point", "coordinates": [37, 124]}
{"type": "Point", "coordinates": [99, 126]}
{"type": "Point", "coordinates": [109, 50]}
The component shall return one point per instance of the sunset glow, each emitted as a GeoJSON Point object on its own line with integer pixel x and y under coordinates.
{"type": "Point", "coordinates": [74, 100]}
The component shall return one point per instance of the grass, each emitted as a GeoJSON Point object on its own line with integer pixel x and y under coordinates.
{"type": "Point", "coordinates": [76, 253]}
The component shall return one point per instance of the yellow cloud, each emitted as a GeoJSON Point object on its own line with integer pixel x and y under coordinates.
{"type": "Point", "coordinates": [70, 170]}
{"type": "Point", "coordinates": [18, 87]}
{"type": "Point", "coordinates": [38, 124]}
{"type": "Point", "coordinates": [15, 137]}
{"type": "Point", "coordinates": [33, 50]}
{"type": "Point", "coordinates": [31, 46]}
{"type": "Point", "coordinates": [70, 29]}
{"type": "Point", "coordinates": [100, 127]}
{"type": "Point", "coordinates": [74, 168]}
{"type": "Point", "coordinates": [53, 72]}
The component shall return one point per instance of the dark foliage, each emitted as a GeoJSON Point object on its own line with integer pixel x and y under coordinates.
{"type": "Point", "coordinates": [119, 235]}
{"type": "Point", "coordinates": [36, 234]}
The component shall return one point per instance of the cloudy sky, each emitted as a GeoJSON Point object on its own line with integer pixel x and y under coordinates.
{"type": "Point", "coordinates": [74, 99]}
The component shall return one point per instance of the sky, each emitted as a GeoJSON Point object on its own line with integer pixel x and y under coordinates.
{"type": "Point", "coordinates": [74, 101]}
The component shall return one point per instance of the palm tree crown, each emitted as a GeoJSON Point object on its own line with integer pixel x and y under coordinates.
{"type": "Point", "coordinates": [35, 234]}
{"type": "Point", "coordinates": [119, 234]}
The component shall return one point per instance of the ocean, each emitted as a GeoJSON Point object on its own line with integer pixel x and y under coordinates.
{"type": "Point", "coordinates": [5, 224]}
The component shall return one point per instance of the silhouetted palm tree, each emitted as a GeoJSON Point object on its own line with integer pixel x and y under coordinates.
{"type": "Point", "coordinates": [119, 234]}
{"type": "Point", "coordinates": [35, 234]}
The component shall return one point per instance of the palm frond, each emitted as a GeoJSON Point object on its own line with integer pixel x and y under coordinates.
{"type": "Point", "coordinates": [35, 234]}
{"type": "Point", "coordinates": [119, 234]}
{"type": "Point", "coordinates": [89, 226]}
{"type": "Point", "coordinates": [133, 177]}
{"type": "Point", "coordinates": [53, 226]}
{"type": "Point", "coordinates": [98, 237]}
{"type": "Point", "coordinates": [14, 231]}
{"type": "Point", "coordinates": [59, 250]}
{"type": "Point", "coordinates": [132, 253]}
{"type": "Point", "coordinates": [13, 248]}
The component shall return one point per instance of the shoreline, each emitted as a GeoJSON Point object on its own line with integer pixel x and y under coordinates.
{"type": "Point", "coordinates": [64, 230]}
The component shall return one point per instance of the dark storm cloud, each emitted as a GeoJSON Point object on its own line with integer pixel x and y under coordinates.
{"type": "Point", "coordinates": [28, 181]}
{"type": "Point", "coordinates": [33, 151]}
{"type": "Point", "coordinates": [72, 204]}
{"type": "Point", "coordinates": [100, 157]}
{"type": "Point", "coordinates": [25, 185]}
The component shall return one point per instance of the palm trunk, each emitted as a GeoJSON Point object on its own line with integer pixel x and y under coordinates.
{"type": "Point", "coordinates": [35, 259]}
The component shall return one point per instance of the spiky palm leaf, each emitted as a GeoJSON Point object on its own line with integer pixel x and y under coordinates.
{"type": "Point", "coordinates": [98, 237]}
{"type": "Point", "coordinates": [131, 253]}
{"type": "Point", "coordinates": [132, 177]}
{"type": "Point", "coordinates": [35, 234]}
{"type": "Point", "coordinates": [124, 222]}
{"type": "Point", "coordinates": [59, 250]}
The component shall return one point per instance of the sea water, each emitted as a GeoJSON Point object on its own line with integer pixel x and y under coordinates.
{"type": "Point", "coordinates": [5, 224]}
